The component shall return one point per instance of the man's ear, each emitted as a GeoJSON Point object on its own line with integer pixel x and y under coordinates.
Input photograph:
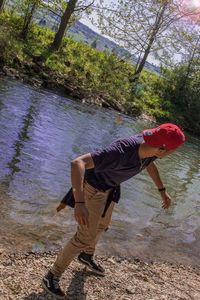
{"type": "Point", "coordinates": [162, 150]}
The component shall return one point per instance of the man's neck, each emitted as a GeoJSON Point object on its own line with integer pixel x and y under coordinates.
{"type": "Point", "coordinates": [145, 151]}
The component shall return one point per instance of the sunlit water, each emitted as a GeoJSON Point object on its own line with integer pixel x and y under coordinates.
{"type": "Point", "coordinates": [40, 133]}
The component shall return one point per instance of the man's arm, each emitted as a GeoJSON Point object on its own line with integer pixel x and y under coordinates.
{"type": "Point", "coordinates": [78, 167]}
{"type": "Point", "coordinates": [154, 174]}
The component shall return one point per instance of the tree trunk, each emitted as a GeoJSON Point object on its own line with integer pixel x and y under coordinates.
{"type": "Point", "coordinates": [144, 58]}
{"type": "Point", "coordinates": [189, 66]}
{"type": "Point", "coordinates": [63, 25]}
{"type": "Point", "coordinates": [28, 18]}
{"type": "Point", "coordinates": [155, 30]}
{"type": "Point", "coordinates": [191, 60]}
{"type": "Point", "coordinates": [2, 2]}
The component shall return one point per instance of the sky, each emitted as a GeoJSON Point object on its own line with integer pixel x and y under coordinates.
{"type": "Point", "coordinates": [85, 20]}
{"type": "Point", "coordinates": [186, 4]}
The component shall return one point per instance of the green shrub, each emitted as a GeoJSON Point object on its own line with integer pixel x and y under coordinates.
{"type": "Point", "coordinates": [103, 73]}
{"type": "Point", "coordinates": [10, 48]}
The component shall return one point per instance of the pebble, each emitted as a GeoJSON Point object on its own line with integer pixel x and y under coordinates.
{"type": "Point", "coordinates": [126, 279]}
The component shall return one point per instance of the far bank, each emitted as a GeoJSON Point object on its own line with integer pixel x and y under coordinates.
{"type": "Point", "coordinates": [96, 77]}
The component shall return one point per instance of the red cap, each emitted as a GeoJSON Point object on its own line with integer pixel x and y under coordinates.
{"type": "Point", "coordinates": [166, 135]}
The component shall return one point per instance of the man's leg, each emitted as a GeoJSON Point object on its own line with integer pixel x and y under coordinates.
{"type": "Point", "coordinates": [103, 226]}
{"type": "Point", "coordinates": [95, 202]}
{"type": "Point", "coordinates": [87, 256]}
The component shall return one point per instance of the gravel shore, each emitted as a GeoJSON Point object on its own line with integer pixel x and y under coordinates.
{"type": "Point", "coordinates": [20, 278]}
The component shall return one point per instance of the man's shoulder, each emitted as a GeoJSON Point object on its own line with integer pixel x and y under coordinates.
{"type": "Point", "coordinates": [121, 145]}
{"type": "Point", "coordinates": [133, 140]}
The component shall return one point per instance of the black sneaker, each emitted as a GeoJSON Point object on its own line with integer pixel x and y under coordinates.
{"type": "Point", "coordinates": [51, 284]}
{"type": "Point", "coordinates": [89, 261]}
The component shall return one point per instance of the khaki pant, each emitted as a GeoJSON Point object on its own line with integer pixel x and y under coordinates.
{"type": "Point", "coordinates": [86, 238]}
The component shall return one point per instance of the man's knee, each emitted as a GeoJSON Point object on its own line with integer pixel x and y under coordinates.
{"type": "Point", "coordinates": [84, 241]}
{"type": "Point", "coordinates": [103, 227]}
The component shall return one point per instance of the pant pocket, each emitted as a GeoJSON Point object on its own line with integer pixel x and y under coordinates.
{"type": "Point", "coordinates": [89, 191]}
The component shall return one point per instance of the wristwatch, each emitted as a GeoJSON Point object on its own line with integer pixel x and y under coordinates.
{"type": "Point", "coordinates": [162, 189]}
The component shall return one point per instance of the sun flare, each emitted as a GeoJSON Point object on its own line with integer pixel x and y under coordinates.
{"type": "Point", "coordinates": [192, 4]}
{"type": "Point", "coordinates": [191, 8]}
{"type": "Point", "coordinates": [195, 3]}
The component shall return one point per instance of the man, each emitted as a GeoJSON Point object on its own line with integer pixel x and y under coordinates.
{"type": "Point", "coordinates": [95, 180]}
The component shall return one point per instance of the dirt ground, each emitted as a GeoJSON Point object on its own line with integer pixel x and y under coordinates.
{"type": "Point", "coordinates": [21, 274]}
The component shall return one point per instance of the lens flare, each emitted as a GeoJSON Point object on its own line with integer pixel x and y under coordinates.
{"type": "Point", "coordinates": [191, 8]}
{"type": "Point", "coordinates": [195, 4]}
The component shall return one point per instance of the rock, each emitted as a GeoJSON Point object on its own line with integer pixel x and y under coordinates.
{"type": "Point", "coordinates": [17, 62]}
{"type": "Point", "coordinates": [36, 68]}
{"type": "Point", "coordinates": [33, 81]}
{"type": "Point", "coordinates": [8, 262]}
{"type": "Point", "coordinates": [137, 260]}
{"type": "Point", "coordinates": [11, 72]}
{"type": "Point", "coordinates": [27, 65]}
{"type": "Point", "coordinates": [21, 273]}
{"type": "Point", "coordinates": [129, 291]}
{"type": "Point", "coordinates": [44, 76]}
{"type": "Point", "coordinates": [2, 251]}
{"type": "Point", "coordinates": [111, 261]}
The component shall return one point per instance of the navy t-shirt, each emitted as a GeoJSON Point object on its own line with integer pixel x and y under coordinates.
{"type": "Point", "coordinates": [117, 163]}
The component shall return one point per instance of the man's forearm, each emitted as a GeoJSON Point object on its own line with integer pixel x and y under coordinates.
{"type": "Point", "coordinates": [154, 174]}
{"type": "Point", "coordinates": [77, 179]}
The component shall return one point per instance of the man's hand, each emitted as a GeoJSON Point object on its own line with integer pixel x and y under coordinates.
{"type": "Point", "coordinates": [166, 200]}
{"type": "Point", "coordinates": [61, 206]}
{"type": "Point", "coordinates": [81, 214]}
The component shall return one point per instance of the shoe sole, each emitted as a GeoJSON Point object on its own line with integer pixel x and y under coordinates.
{"type": "Point", "coordinates": [52, 294]}
{"type": "Point", "coordinates": [90, 268]}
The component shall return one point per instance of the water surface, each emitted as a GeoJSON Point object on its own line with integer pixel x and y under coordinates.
{"type": "Point", "coordinates": [41, 132]}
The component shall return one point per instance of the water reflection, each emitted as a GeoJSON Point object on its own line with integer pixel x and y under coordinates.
{"type": "Point", "coordinates": [23, 136]}
{"type": "Point", "coordinates": [41, 132]}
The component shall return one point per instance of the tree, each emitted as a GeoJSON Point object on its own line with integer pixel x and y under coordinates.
{"type": "Point", "coordinates": [2, 2]}
{"type": "Point", "coordinates": [192, 63]}
{"type": "Point", "coordinates": [30, 8]}
{"type": "Point", "coordinates": [142, 27]}
{"type": "Point", "coordinates": [181, 87]}
{"type": "Point", "coordinates": [70, 11]}
{"type": "Point", "coordinates": [63, 24]}
{"type": "Point", "coordinates": [94, 44]}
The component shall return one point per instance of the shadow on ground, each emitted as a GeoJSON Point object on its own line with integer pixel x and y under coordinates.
{"type": "Point", "coordinates": [75, 290]}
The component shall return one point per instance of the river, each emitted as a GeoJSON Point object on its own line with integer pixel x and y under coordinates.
{"type": "Point", "coordinates": [41, 132]}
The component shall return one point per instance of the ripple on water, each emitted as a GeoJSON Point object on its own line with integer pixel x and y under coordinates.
{"type": "Point", "coordinates": [42, 132]}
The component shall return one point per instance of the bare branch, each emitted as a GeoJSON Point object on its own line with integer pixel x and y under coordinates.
{"type": "Point", "coordinates": [84, 7]}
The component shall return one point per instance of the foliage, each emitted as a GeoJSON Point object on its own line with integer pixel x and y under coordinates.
{"type": "Point", "coordinates": [145, 27]}
{"type": "Point", "coordinates": [10, 46]}
{"type": "Point", "coordinates": [184, 93]}
{"type": "Point", "coordinates": [174, 96]}
{"type": "Point", "coordinates": [148, 98]}
{"type": "Point", "coordinates": [97, 72]}
{"type": "Point", "coordinates": [94, 71]}
{"type": "Point", "coordinates": [2, 3]}
{"type": "Point", "coordinates": [38, 39]}
{"type": "Point", "coordinates": [72, 12]}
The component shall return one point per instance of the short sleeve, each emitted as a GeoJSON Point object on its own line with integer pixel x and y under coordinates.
{"type": "Point", "coordinates": [107, 158]}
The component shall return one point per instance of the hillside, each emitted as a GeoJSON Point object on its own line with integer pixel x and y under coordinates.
{"type": "Point", "coordinates": [83, 33]}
